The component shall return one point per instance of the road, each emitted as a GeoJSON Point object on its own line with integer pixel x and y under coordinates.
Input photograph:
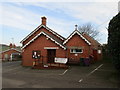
{"type": "Point", "coordinates": [98, 75]}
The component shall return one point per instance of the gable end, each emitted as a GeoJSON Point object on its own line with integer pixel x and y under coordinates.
{"type": "Point", "coordinates": [56, 34]}
{"type": "Point", "coordinates": [11, 49]}
{"type": "Point", "coordinates": [76, 32]}
{"type": "Point", "coordinates": [47, 37]}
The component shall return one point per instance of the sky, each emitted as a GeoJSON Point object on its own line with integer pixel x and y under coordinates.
{"type": "Point", "coordinates": [19, 18]}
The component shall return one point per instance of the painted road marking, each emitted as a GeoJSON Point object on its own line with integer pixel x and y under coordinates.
{"type": "Point", "coordinates": [64, 72]}
{"type": "Point", "coordinates": [95, 69]}
{"type": "Point", "coordinates": [91, 72]}
{"type": "Point", "coordinates": [80, 80]}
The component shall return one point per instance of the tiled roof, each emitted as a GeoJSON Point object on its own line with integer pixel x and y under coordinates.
{"type": "Point", "coordinates": [51, 37]}
{"type": "Point", "coordinates": [93, 42]}
{"type": "Point", "coordinates": [50, 30]}
{"type": "Point", "coordinates": [11, 49]}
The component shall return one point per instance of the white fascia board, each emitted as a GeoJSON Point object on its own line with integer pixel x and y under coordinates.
{"type": "Point", "coordinates": [31, 33]}
{"type": "Point", "coordinates": [84, 38]}
{"type": "Point", "coordinates": [16, 49]}
{"type": "Point", "coordinates": [10, 49]}
{"type": "Point", "coordinates": [46, 36]}
{"type": "Point", "coordinates": [37, 29]}
{"type": "Point", "coordinates": [53, 32]}
{"type": "Point", "coordinates": [74, 34]}
{"type": "Point", "coordinates": [31, 40]}
{"type": "Point", "coordinates": [5, 50]}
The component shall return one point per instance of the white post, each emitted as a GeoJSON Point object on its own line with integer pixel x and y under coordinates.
{"type": "Point", "coordinates": [11, 57]}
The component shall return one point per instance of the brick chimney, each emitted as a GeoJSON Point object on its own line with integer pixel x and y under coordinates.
{"type": "Point", "coordinates": [10, 45]}
{"type": "Point", "coordinates": [14, 46]}
{"type": "Point", "coordinates": [43, 20]}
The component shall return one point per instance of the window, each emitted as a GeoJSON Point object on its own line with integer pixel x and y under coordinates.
{"type": "Point", "coordinates": [36, 54]}
{"type": "Point", "coordinates": [76, 51]}
{"type": "Point", "coordinates": [99, 51]}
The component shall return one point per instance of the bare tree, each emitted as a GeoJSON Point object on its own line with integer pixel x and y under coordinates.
{"type": "Point", "coordinates": [88, 28]}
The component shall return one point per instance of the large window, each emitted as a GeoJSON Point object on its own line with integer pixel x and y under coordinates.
{"type": "Point", "coordinates": [76, 51]}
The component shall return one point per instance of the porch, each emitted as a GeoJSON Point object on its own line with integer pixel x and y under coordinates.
{"type": "Point", "coordinates": [51, 64]}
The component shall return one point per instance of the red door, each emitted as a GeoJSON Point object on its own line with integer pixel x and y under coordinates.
{"type": "Point", "coordinates": [51, 53]}
{"type": "Point", "coordinates": [95, 54]}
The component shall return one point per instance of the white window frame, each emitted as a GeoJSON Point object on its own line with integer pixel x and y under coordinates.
{"type": "Point", "coordinates": [51, 47]}
{"type": "Point", "coordinates": [76, 52]}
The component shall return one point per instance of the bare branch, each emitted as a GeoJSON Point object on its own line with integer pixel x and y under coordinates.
{"type": "Point", "coordinates": [88, 28]}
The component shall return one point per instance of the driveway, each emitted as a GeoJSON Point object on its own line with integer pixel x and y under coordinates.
{"type": "Point", "coordinates": [98, 75]}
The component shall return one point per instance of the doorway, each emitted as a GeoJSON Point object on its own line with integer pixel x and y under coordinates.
{"type": "Point", "coordinates": [51, 53]}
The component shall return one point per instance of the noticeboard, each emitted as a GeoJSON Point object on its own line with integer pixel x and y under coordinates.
{"type": "Point", "coordinates": [36, 54]}
{"type": "Point", "coordinates": [61, 60]}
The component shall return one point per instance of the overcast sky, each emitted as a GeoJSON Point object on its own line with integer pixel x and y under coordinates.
{"type": "Point", "coordinates": [19, 18]}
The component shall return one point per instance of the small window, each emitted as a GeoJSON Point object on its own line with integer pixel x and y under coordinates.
{"type": "Point", "coordinates": [99, 52]}
{"type": "Point", "coordinates": [36, 54]}
{"type": "Point", "coordinates": [76, 51]}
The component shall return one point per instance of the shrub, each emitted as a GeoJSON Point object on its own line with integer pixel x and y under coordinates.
{"type": "Point", "coordinates": [114, 40]}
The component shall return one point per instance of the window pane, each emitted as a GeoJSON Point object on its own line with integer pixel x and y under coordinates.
{"type": "Point", "coordinates": [76, 50]}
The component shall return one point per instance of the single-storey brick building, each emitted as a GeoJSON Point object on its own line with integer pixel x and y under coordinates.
{"type": "Point", "coordinates": [9, 53]}
{"type": "Point", "coordinates": [45, 44]}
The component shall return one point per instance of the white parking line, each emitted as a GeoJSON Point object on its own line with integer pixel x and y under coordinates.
{"type": "Point", "coordinates": [91, 72]}
{"type": "Point", "coordinates": [80, 80]}
{"type": "Point", "coordinates": [95, 69]}
{"type": "Point", "coordinates": [64, 72]}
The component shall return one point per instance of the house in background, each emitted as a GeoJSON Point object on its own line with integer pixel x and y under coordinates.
{"type": "Point", "coordinates": [45, 44]}
{"type": "Point", "coordinates": [11, 53]}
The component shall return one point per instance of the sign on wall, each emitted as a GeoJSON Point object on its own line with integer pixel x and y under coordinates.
{"type": "Point", "coordinates": [36, 54]}
{"type": "Point", "coordinates": [61, 60]}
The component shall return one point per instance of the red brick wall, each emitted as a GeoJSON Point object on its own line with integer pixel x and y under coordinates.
{"type": "Point", "coordinates": [39, 44]}
{"type": "Point", "coordinates": [9, 53]}
{"type": "Point", "coordinates": [42, 42]}
{"type": "Point", "coordinates": [95, 46]}
{"type": "Point", "coordinates": [76, 41]}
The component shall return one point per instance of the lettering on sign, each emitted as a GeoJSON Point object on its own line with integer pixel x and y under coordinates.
{"type": "Point", "coordinates": [61, 60]}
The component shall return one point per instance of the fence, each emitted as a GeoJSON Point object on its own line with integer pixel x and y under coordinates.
{"type": "Point", "coordinates": [46, 60]}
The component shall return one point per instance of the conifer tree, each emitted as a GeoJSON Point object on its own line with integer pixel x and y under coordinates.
{"type": "Point", "coordinates": [114, 40]}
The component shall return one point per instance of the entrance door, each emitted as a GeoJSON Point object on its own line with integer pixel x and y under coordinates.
{"type": "Point", "coordinates": [51, 53]}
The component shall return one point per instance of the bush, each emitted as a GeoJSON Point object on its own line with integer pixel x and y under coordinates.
{"type": "Point", "coordinates": [114, 40]}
